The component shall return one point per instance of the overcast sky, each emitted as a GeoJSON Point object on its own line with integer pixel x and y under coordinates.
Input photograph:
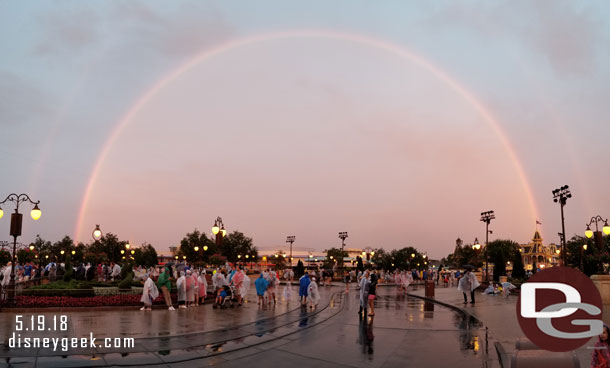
{"type": "Point", "coordinates": [396, 121]}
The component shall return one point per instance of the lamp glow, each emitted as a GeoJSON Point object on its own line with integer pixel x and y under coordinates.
{"type": "Point", "coordinates": [36, 213]}
{"type": "Point", "coordinates": [205, 248]}
{"type": "Point", "coordinates": [584, 246]}
{"type": "Point", "coordinates": [589, 232]}
{"type": "Point", "coordinates": [215, 229]}
{"type": "Point", "coordinates": [1, 213]}
{"type": "Point", "coordinates": [196, 249]}
{"type": "Point", "coordinates": [606, 228]}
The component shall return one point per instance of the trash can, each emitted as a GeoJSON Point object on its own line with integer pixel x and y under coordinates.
{"type": "Point", "coordinates": [429, 289]}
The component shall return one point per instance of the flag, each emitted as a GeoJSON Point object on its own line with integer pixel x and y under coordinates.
{"type": "Point", "coordinates": [538, 222]}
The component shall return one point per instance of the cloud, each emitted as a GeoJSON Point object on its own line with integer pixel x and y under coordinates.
{"type": "Point", "coordinates": [182, 31]}
{"type": "Point", "coordinates": [21, 102]}
{"type": "Point", "coordinates": [68, 30]}
{"type": "Point", "coordinates": [568, 38]}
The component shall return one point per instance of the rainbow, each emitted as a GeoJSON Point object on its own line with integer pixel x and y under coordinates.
{"type": "Point", "coordinates": [392, 48]}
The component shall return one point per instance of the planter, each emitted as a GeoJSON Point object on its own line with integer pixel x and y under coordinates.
{"type": "Point", "coordinates": [602, 282]}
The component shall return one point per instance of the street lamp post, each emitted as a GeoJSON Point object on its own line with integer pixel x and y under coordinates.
{"type": "Point", "coordinates": [219, 231]}
{"type": "Point", "coordinates": [597, 235]}
{"type": "Point", "coordinates": [342, 236]}
{"type": "Point", "coordinates": [16, 222]}
{"type": "Point", "coordinates": [561, 195]}
{"type": "Point", "coordinates": [486, 217]}
{"type": "Point", "coordinates": [290, 239]}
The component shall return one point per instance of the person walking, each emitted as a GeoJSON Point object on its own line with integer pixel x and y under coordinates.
{"type": "Point", "coordinates": [181, 286]}
{"type": "Point", "coordinates": [149, 293]}
{"type": "Point", "coordinates": [261, 286]}
{"type": "Point", "coordinates": [313, 293]}
{"type": "Point", "coordinates": [165, 285]}
{"type": "Point", "coordinates": [304, 282]}
{"type": "Point", "coordinates": [468, 283]}
{"type": "Point", "coordinates": [364, 292]}
{"type": "Point", "coordinates": [372, 293]}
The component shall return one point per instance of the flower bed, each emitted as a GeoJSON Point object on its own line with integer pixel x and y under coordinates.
{"type": "Point", "coordinates": [94, 301]}
{"type": "Point", "coordinates": [23, 301]}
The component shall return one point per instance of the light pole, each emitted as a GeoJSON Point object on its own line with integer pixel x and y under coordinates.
{"type": "Point", "coordinates": [290, 239]}
{"type": "Point", "coordinates": [486, 217]}
{"type": "Point", "coordinates": [219, 230]}
{"type": "Point", "coordinates": [584, 247]}
{"type": "Point", "coordinates": [16, 222]}
{"type": "Point", "coordinates": [561, 195]}
{"type": "Point", "coordinates": [342, 236]}
{"type": "Point", "coordinates": [597, 235]}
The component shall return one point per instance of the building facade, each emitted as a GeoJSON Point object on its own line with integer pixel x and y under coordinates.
{"type": "Point", "coordinates": [542, 255]}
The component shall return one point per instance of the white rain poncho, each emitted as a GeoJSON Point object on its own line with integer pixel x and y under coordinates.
{"type": "Point", "coordinates": [313, 295]}
{"type": "Point", "coordinates": [506, 288]}
{"type": "Point", "coordinates": [468, 283]}
{"type": "Point", "coordinates": [181, 286]}
{"type": "Point", "coordinates": [150, 292]}
{"type": "Point", "coordinates": [364, 290]}
{"type": "Point", "coordinates": [245, 286]}
{"type": "Point", "coordinates": [203, 285]}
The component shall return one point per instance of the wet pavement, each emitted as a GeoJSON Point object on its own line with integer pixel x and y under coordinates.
{"type": "Point", "coordinates": [405, 331]}
{"type": "Point", "coordinates": [500, 316]}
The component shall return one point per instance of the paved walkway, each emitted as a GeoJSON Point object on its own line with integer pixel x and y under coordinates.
{"type": "Point", "coordinates": [500, 316]}
{"type": "Point", "coordinates": [404, 331]}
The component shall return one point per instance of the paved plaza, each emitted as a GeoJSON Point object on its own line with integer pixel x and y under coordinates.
{"type": "Point", "coordinates": [405, 331]}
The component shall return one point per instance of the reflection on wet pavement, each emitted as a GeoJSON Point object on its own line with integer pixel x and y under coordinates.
{"type": "Point", "coordinates": [404, 331]}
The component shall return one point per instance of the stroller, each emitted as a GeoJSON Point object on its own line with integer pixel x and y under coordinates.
{"type": "Point", "coordinates": [226, 295]}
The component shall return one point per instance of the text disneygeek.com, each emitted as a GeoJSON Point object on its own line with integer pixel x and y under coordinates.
{"type": "Point", "coordinates": [42, 323]}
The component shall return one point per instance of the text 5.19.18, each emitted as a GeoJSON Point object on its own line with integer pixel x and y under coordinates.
{"type": "Point", "coordinates": [41, 323]}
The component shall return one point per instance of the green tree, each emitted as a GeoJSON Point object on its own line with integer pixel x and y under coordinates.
{"type": "Point", "coordinates": [518, 269]}
{"type": "Point", "coordinates": [25, 255]}
{"type": "Point", "coordinates": [199, 240]}
{"type": "Point", "coordinates": [236, 243]}
{"type": "Point", "coordinates": [499, 252]}
{"type": "Point", "coordinates": [337, 257]}
{"type": "Point", "coordinates": [146, 256]}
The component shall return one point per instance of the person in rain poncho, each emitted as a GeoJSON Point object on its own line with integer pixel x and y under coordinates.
{"type": "Point", "coordinates": [203, 287]}
{"type": "Point", "coordinates": [288, 275]}
{"type": "Point", "coordinates": [261, 287]}
{"type": "Point", "coordinates": [149, 293]}
{"type": "Point", "coordinates": [304, 282]}
{"type": "Point", "coordinates": [181, 286]}
{"type": "Point", "coordinates": [313, 293]}
{"type": "Point", "coordinates": [238, 282]}
{"type": "Point", "coordinates": [245, 286]}
{"type": "Point", "coordinates": [6, 274]}
{"type": "Point", "coordinates": [407, 279]}
{"type": "Point", "coordinates": [364, 292]}
{"type": "Point", "coordinates": [468, 283]}
{"type": "Point", "coordinates": [506, 288]}
{"type": "Point", "coordinates": [272, 285]}
{"type": "Point", "coordinates": [190, 288]}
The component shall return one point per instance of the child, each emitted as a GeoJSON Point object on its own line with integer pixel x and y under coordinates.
{"type": "Point", "coordinates": [601, 354]}
{"type": "Point", "coordinates": [261, 287]}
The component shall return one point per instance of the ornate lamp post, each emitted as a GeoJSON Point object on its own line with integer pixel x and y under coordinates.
{"type": "Point", "coordinates": [598, 234]}
{"type": "Point", "coordinates": [486, 217]}
{"type": "Point", "coordinates": [561, 195]}
{"type": "Point", "coordinates": [16, 222]}
{"type": "Point", "coordinates": [219, 231]}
